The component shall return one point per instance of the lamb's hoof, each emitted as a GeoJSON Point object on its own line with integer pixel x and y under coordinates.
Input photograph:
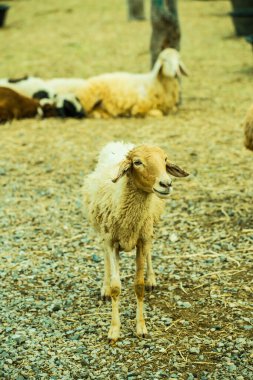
{"type": "Point", "coordinates": [150, 285]}
{"type": "Point", "coordinates": [150, 288]}
{"type": "Point", "coordinates": [141, 330]}
{"type": "Point", "coordinates": [113, 334]}
{"type": "Point", "coordinates": [106, 293]}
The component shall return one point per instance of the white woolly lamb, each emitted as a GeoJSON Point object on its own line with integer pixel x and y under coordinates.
{"type": "Point", "coordinates": [125, 94]}
{"type": "Point", "coordinates": [124, 197]}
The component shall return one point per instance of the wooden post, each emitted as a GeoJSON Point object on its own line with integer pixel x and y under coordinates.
{"type": "Point", "coordinates": [165, 27]}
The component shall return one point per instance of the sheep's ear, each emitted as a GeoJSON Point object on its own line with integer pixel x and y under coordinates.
{"type": "Point", "coordinates": [123, 168]}
{"type": "Point", "coordinates": [175, 170]}
{"type": "Point", "coordinates": [182, 69]}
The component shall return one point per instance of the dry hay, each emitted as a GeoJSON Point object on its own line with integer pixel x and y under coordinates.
{"type": "Point", "coordinates": [53, 325]}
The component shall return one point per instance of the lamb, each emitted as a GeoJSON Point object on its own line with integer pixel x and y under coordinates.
{"type": "Point", "coordinates": [124, 94]}
{"type": "Point", "coordinates": [124, 197]}
{"type": "Point", "coordinates": [248, 129]}
{"type": "Point", "coordinates": [16, 106]}
{"type": "Point", "coordinates": [67, 103]}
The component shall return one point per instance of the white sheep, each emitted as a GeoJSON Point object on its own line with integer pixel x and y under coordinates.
{"type": "Point", "coordinates": [65, 85]}
{"type": "Point", "coordinates": [124, 94]}
{"type": "Point", "coordinates": [248, 129]}
{"type": "Point", "coordinates": [124, 197]}
{"type": "Point", "coordinates": [67, 103]}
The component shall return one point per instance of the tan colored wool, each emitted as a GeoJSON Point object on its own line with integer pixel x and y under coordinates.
{"type": "Point", "coordinates": [124, 94]}
{"type": "Point", "coordinates": [124, 198]}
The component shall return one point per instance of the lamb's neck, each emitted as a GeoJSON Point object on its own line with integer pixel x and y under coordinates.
{"type": "Point", "coordinates": [134, 202]}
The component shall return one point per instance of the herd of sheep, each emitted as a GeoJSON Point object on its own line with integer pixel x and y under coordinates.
{"type": "Point", "coordinates": [107, 95]}
{"type": "Point", "coordinates": [124, 196]}
{"type": "Point", "coordinates": [118, 94]}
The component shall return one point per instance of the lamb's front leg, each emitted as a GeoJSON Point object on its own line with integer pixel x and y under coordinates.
{"type": "Point", "coordinates": [115, 290]}
{"type": "Point", "coordinates": [141, 255]}
{"type": "Point", "coordinates": [106, 288]}
{"type": "Point", "coordinates": [151, 281]}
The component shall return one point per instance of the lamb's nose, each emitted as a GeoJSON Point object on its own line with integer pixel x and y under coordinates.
{"type": "Point", "coordinates": [165, 183]}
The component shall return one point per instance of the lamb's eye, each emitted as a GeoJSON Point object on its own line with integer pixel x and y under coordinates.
{"type": "Point", "coordinates": [165, 159]}
{"type": "Point", "coordinates": [137, 163]}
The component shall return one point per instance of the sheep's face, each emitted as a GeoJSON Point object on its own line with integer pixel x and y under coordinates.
{"type": "Point", "coordinates": [169, 64]}
{"type": "Point", "coordinates": [149, 169]}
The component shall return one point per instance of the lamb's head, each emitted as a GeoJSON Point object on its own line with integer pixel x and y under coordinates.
{"type": "Point", "coordinates": [148, 168]}
{"type": "Point", "coordinates": [169, 64]}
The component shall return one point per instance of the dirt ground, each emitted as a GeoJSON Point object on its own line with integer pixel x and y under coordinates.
{"type": "Point", "coordinates": [52, 322]}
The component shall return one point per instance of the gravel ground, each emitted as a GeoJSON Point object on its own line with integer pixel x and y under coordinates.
{"type": "Point", "coordinates": [53, 324]}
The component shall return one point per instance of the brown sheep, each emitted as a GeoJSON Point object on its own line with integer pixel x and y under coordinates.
{"type": "Point", "coordinates": [124, 198]}
{"type": "Point", "coordinates": [16, 106]}
{"type": "Point", "coordinates": [248, 129]}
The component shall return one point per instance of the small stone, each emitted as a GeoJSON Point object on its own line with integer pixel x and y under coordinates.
{"type": "Point", "coordinates": [173, 237]}
{"type": "Point", "coordinates": [55, 307]}
{"type": "Point", "coordinates": [231, 367]}
{"type": "Point", "coordinates": [194, 350]}
{"type": "Point", "coordinates": [248, 327]}
{"type": "Point", "coordinates": [240, 340]}
{"type": "Point", "coordinates": [184, 305]}
{"type": "Point", "coordinates": [18, 338]}
{"type": "Point", "coordinates": [96, 258]}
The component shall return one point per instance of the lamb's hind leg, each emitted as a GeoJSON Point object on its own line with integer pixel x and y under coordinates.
{"type": "Point", "coordinates": [141, 255]}
{"type": "Point", "coordinates": [113, 334]}
{"type": "Point", "coordinates": [151, 281]}
{"type": "Point", "coordinates": [106, 288]}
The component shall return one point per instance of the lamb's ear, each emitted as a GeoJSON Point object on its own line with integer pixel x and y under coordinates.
{"type": "Point", "coordinates": [175, 170]}
{"type": "Point", "coordinates": [182, 69]}
{"type": "Point", "coordinates": [123, 168]}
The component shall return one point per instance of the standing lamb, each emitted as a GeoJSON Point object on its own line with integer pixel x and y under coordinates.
{"type": "Point", "coordinates": [248, 129]}
{"type": "Point", "coordinates": [125, 94]}
{"type": "Point", "coordinates": [124, 197]}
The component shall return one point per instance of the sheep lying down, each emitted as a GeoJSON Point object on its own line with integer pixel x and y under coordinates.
{"type": "Point", "coordinates": [16, 106]}
{"type": "Point", "coordinates": [124, 94]}
{"type": "Point", "coordinates": [123, 199]}
{"type": "Point", "coordinates": [67, 104]}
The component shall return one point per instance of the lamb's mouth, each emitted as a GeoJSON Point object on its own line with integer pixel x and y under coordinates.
{"type": "Point", "coordinates": [161, 193]}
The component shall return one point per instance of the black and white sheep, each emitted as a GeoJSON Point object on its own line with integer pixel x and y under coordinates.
{"type": "Point", "coordinates": [68, 104]}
